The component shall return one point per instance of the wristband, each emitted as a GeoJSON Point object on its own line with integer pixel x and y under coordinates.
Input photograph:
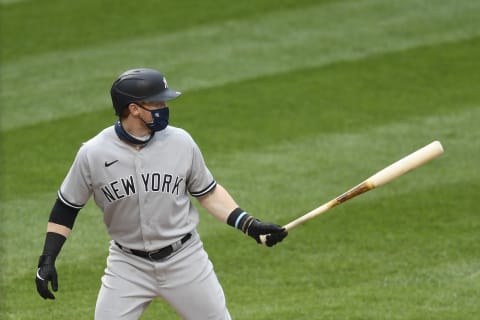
{"type": "Point", "coordinates": [53, 244]}
{"type": "Point", "coordinates": [237, 219]}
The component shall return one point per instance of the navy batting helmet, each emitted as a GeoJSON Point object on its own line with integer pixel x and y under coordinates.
{"type": "Point", "coordinates": [139, 85]}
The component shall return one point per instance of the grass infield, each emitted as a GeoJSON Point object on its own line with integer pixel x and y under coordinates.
{"type": "Point", "coordinates": [291, 104]}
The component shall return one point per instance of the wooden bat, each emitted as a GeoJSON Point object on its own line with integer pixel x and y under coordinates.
{"type": "Point", "coordinates": [393, 171]}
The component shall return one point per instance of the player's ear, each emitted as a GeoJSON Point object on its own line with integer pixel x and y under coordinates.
{"type": "Point", "coordinates": [134, 109]}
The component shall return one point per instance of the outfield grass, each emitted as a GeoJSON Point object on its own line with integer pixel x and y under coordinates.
{"type": "Point", "coordinates": [292, 104]}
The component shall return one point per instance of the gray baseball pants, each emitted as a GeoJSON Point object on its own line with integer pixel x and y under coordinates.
{"type": "Point", "coordinates": [185, 279]}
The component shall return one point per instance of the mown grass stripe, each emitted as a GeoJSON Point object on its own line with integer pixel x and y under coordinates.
{"type": "Point", "coordinates": [63, 83]}
{"type": "Point", "coordinates": [77, 24]}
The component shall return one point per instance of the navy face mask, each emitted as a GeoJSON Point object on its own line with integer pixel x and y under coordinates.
{"type": "Point", "coordinates": [159, 119]}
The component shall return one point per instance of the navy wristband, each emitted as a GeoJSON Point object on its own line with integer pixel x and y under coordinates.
{"type": "Point", "coordinates": [237, 217]}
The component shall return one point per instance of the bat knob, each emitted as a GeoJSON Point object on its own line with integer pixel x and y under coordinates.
{"type": "Point", "coordinates": [263, 239]}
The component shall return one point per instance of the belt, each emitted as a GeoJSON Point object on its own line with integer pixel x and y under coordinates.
{"type": "Point", "coordinates": [158, 254]}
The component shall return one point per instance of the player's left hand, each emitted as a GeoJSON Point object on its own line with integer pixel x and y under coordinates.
{"type": "Point", "coordinates": [46, 272]}
{"type": "Point", "coordinates": [274, 233]}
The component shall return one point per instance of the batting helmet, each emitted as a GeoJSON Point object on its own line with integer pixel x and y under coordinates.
{"type": "Point", "coordinates": [139, 85]}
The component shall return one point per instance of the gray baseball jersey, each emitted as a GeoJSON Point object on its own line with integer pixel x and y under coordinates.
{"type": "Point", "coordinates": [143, 192]}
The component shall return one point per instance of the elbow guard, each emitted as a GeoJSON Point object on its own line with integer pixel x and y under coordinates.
{"type": "Point", "coordinates": [63, 214]}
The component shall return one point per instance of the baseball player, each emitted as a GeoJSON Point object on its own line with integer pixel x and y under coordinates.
{"type": "Point", "coordinates": [141, 172]}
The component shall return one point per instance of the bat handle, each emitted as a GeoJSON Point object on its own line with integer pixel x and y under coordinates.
{"type": "Point", "coordinates": [355, 191]}
{"type": "Point", "coordinates": [287, 227]}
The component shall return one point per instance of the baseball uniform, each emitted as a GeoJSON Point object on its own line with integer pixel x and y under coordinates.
{"type": "Point", "coordinates": [142, 180]}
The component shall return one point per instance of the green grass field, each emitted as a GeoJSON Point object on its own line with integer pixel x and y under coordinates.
{"type": "Point", "coordinates": [292, 102]}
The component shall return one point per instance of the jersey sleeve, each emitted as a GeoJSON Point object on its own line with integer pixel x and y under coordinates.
{"type": "Point", "coordinates": [76, 188]}
{"type": "Point", "coordinates": [201, 180]}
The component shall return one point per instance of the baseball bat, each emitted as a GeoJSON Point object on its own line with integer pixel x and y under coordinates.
{"type": "Point", "coordinates": [384, 176]}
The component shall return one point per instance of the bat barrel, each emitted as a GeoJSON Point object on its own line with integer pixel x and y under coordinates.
{"type": "Point", "coordinates": [407, 164]}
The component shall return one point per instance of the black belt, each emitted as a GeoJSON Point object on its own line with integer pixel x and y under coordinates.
{"type": "Point", "coordinates": [159, 253]}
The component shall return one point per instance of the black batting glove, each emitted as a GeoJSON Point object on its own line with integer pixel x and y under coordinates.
{"type": "Point", "coordinates": [273, 232]}
{"type": "Point", "coordinates": [46, 273]}
{"type": "Point", "coordinates": [255, 228]}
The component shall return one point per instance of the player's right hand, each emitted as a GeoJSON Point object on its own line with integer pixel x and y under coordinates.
{"type": "Point", "coordinates": [46, 273]}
